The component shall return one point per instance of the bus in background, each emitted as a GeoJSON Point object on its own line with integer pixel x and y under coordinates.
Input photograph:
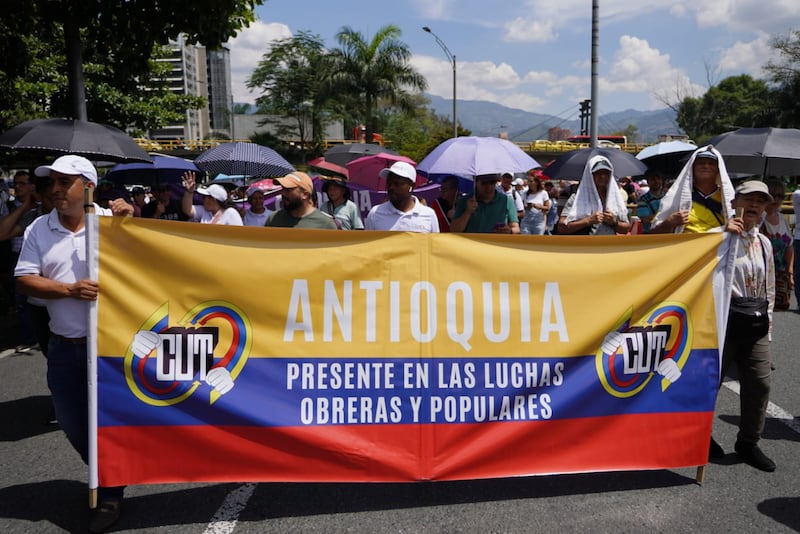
{"type": "Point", "coordinates": [616, 139]}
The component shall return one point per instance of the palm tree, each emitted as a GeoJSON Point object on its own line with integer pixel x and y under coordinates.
{"type": "Point", "coordinates": [369, 71]}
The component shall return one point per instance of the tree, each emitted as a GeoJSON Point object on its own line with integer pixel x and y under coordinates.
{"type": "Point", "coordinates": [370, 70]}
{"type": "Point", "coordinates": [119, 38]}
{"type": "Point", "coordinates": [736, 102]}
{"type": "Point", "coordinates": [785, 75]}
{"type": "Point", "coordinates": [293, 78]}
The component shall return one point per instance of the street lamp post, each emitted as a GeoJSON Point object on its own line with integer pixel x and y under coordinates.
{"type": "Point", "coordinates": [452, 58]}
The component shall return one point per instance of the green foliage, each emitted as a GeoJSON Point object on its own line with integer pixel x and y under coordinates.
{"type": "Point", "coordinates": [119, 40]}
{"type": "Point", "coordinates": [370, 70]}
{"type": "Point", "coordinates": [736, 102]}
{"type": "Point", "coordinates": [785, 75]}
{"type": "Point", "coordinates": [293, 78]}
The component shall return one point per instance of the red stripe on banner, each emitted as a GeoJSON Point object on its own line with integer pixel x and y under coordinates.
{"type": "Point", "coordinates": [402, 453]}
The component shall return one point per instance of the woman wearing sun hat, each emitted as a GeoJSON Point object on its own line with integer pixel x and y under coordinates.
{"type": "Point", "coordinates": [216, 207]}
{"type": "Point", "coordinates": [339, 206]}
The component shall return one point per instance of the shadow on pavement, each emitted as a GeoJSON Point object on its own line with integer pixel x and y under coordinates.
{"type": "Point", "coordinates": [272, 500]}
{"type": "Point", "coordinates": [783, 510]}
{"type": "Point", "coordinates": [25, 418]}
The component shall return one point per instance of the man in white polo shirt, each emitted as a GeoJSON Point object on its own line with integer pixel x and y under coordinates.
{"type": "Point", "coordinates": [402, 212]}
{"type": "Point", "coordinates": [52, 266]}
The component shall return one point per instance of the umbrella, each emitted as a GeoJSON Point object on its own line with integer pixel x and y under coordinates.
{"type": "Point", "coordinates": [668, 156]}
{"type": "Point", "coordinates": [473, 156]}
{"type": "Point", "coordinates": [570, 165]}
{"type": "Point", "coordinates": [67, 136]}
{"type": "Point", "coordinates": [265, 185]}
{"type": "Point", "coordinates": [365, 170]}
{"type": "Point", "coordinates": [325, 165]}
{"type": "Point", "coordinates": [249, 159]}
{"type": "Point", "coordinates": [764, 151]}
{"type": "Point", "coordinates": [164, 169]}
{"type": "Point", "coordinates": [344, 154]}
{"type": "Point", "coordinates": [235, 179]}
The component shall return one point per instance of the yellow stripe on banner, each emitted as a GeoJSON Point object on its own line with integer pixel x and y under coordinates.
{"type": "Point", "coordinates": [382, 294]}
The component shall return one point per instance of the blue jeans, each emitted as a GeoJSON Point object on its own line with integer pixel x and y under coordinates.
{"type": "Point", "coordinates": [532, 223]}
{"type": "Point", "coordinates": [68, 383]}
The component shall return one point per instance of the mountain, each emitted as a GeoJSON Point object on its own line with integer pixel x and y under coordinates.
{"type": "Point", "coordinates": [490, 119]}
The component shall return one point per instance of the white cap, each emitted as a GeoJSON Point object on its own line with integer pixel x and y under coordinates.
{"type": "Point", "coordinates": [70, 165]}
{"type": "Point", "coordinates": [602, 164]}
{"type": "Point", "coordinates": [517, 181]}
{"type": "Point", "coordinates": [215, 191]}
{"type": "Point", "coordinates": [401, 169]}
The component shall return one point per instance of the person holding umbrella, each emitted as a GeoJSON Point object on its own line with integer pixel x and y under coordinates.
{"type": "Point", "coordinates": [216, 208]}
{"type": "Point", "coordinates": [597, 207]}
{"type": "Point", "coordinates": [487, 211]}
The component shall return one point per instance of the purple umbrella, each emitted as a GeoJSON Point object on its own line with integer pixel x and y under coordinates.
{"type": "Point", "coordinates": [473, 156]}
{"type": "Point", "coordinates": [164, 169]}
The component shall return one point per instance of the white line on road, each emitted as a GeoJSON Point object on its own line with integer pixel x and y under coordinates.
{"type": "Point", "coordinates": [773, 410]}
{"type": "Point", "coordinates": [224, 520]}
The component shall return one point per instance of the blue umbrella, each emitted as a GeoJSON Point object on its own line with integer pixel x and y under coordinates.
{"type": "Point", "coordinates": [249, 159]}
{"type": "Point", "coordinates": [235, 179]}
{"type": "Point", "coordinates": [164, 169]}
{"type": "Point", "coordinates": [473, 156]}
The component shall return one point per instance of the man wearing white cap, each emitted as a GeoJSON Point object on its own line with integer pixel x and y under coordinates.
{"type": "Point", "coordinates": [403, 212]}
{"type": "Point", "coordinates": [52, 266]}
{"type": "Point", "coordinates": [257, 213]}
{"type": "Point", "coordinates": [216, 208]}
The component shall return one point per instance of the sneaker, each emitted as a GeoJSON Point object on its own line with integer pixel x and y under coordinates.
{"type": "Point", "coordinates": [105, 515]}
{"type": "Point", "coordinates": [22, 349]}
{"type": "Point", "coordinates": [753, 455]}
{"type": "Point", "coordinates": [715, 450]}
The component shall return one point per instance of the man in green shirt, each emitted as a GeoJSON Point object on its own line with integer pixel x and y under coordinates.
{"type": "Point", "coordinates": [299, 211]}
{"type": "Point", "coordinates": [487, 210]}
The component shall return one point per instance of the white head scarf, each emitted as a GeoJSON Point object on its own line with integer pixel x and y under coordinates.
{"type": "Point", "coordinates": [679, 195]}
{"type": "Point", "coordinates": [587, 199]}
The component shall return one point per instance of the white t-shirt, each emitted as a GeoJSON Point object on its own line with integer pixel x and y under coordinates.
{"type": "Point", "coordinates": [229, 216]}
{"type": "Point", "coordinates": [256, 219]}
{"type": "Point", "coordinates": [540, 197]}
{"type": "Point", "coordinates": [385, 216]}
{"type": "Point", "coordinates": [52, 251]}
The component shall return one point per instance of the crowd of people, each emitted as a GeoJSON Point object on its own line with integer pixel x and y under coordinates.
{"type": "Point", "coordinates": [43, 229]}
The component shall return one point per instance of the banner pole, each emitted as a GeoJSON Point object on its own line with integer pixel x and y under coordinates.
{"type": "Point", "coordinates": [90, 227]}
{"type": "Point", "coordinates": [701, 474]}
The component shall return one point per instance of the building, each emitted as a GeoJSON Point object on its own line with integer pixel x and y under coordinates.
{"type": "Point", "coordinates": [197, 72]}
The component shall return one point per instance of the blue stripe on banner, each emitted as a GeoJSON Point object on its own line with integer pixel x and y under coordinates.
{"type": "Point", "coordinates": [274, 392]}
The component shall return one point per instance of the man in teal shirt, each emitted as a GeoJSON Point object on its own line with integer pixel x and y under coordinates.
{"type": "Point", "coordinates": [487, 210]}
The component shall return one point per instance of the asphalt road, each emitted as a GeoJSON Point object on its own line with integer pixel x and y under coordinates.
{"type": "Point", "coordinates": [42, 483]}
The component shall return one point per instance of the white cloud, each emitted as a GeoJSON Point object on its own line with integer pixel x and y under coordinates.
{"type": "Point", "coordinates": [530, 31]}
{"type": "Point", "coordinates": [639, 68]}
{"type": "Point", "coordinates": [747, 58]}
{"type": "Point", "coordinates": [247, 49]}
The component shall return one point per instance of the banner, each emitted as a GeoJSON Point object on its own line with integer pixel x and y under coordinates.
{"type": "Point", "coordinates": [261, 354]}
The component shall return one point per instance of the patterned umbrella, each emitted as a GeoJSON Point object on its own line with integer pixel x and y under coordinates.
{"type": "Point", "coordinates": [98, 142]}
{"type": "Point", "coordinates": [249, 159]}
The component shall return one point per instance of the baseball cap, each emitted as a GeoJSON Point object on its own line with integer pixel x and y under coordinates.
{"type": "Point", "coordinates": [517, 181]}
{"type": "Point", "coordinates": [401, 169]}
{"type": "Point", "coordinates": [215, 191]}
{"type": "Point", "coordinates": [708, 153]}
{"type": "Point", "coordinates": [296, 179]}
{"type": "Point", "coordinates": [754, 186]}
{"type": "Point", "coordinates": [70, 165]}
{"type": "Point", "coordinates": [602, 165]}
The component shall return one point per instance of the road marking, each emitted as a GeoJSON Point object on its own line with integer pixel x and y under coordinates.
{"type": "Point", "coordinates": [7, 352]}
{"type": "Point", "coordinates": [773, 410]}
{"type": "Point", "coordinates": [224, 520]}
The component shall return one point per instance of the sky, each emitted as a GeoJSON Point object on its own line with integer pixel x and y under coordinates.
{"type": "Point", "coordinates": [535, 55]}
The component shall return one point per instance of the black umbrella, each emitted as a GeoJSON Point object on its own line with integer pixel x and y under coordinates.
{"type": "Point", "coordinates": [343, 154]}
{"type": "Point", "coordinates": [67, 136]}
{"type": "Point", "coordinates": [164, 169]}
{"type": "Point", "coordinates": [764, 151]}
{"type": "Point", "coordinates": [248, 159]}
{"type": "Point", "coordinates": [570, 166]}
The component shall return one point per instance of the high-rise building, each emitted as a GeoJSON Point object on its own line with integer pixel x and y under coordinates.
{"type": "Point", "coordinates": [197, 72]}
